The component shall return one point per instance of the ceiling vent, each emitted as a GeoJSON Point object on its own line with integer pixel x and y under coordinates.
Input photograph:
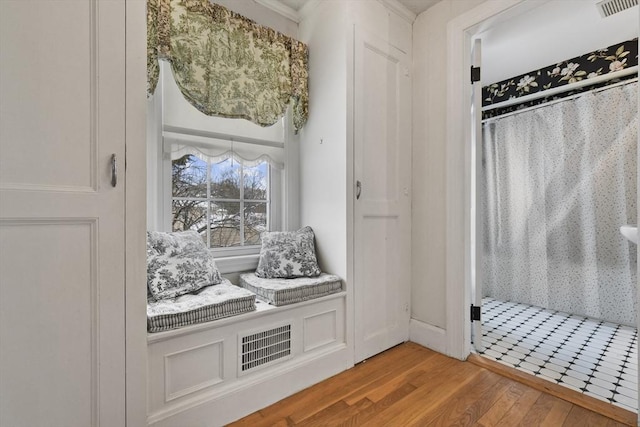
{"type": "Point", "coordinates": [611, 7]}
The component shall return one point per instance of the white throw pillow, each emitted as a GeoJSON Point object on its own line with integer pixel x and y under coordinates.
{"type": "Point", "coordinates": [178, 263]}
{"type": "Point", "coordinates": [288, 254]}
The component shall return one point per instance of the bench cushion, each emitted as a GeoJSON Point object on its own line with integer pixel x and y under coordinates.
{"type": "Point", "coordinates": [288, 291]}
{"type": "Point", "coordinates": [210, 303]}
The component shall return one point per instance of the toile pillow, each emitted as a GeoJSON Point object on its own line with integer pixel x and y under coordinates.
{"type": "Point", "coordinates": [288, 254]}
{"type": "Point", "coordinates": [178, 263]}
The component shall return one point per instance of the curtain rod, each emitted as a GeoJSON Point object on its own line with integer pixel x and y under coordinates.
{"type": "Point", "coordinates": [223, 136]}
{"type": "Point", "coordinates": [561, 89]}
{"type": "Point", "coordinates": [533, 107]}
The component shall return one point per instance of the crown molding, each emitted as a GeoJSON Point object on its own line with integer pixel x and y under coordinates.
{"type": "Point", "coordinates": [298, 15]}
{"type": "Point", "coordinates": [281, 8]}
{"type": "Point", "coordinates": [400, 9]}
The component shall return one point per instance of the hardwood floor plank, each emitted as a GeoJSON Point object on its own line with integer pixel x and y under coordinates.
{"type": "Point", "coordinates": [502, 405]}
{"type": "Point", "coordinates": [408, 370]}
{"type": "Point", "coordinates": [282, 423]}
{"type": "Point", "coordinates": [422, 374]}
{"type": "Point", "coordinates": [336, 418]}
{"type": "Point", "coordinates": [411, 385]}
{"type": "Point", "coordinates": [519, 410]}
{"type": "Point", "coordinates": [582, 417]}
{"type": "Point", "coordinates": [390, 399]}
{"type": "Point", "coordinates": [323, 417]}
{"type": "Point", "coordinates": [580, 399]}
{"type": "Point", "coordinates": [557, 415]}
{"type": "Point", "coordinates": [365, 374]}
{"type": "Point", "coordinates": [427, 396]}
{"type": "Point", "coordinates": [250, 420]}
{"type": "Point", "coordinates": [539, 411]}
{"type": "Point", "coordinates": [467, 405]}
{"type": "Point", "coordinates": [324, 393]}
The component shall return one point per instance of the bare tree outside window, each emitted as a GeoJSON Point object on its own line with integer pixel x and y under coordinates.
{"type": "Point", "coordinates": [226, 202]}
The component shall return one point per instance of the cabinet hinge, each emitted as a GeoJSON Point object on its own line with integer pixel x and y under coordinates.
{"type": "Point", "coordinates": [475, 74]}
{"type": "Point", "coordinates": [475, 313]}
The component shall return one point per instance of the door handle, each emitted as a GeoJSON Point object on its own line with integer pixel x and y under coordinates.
{"type": "Point", "coordinates": [114, 171]}
{"type": "Point", "coordinates": [358, 189]}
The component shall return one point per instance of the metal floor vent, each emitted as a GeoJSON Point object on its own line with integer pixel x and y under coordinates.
{"type": "Point", "coordinates": [265, 347]}
{"type": "Point", "coordinates": [610, 7]}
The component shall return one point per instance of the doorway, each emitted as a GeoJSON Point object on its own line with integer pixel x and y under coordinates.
{"type": "Point", "coordinates": [462, 30]}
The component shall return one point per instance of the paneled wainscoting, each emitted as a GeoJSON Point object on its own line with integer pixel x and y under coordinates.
{"type": "Point", "coordinates": [411, 385]}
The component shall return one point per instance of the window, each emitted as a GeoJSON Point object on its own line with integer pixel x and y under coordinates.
{"type": "Point", "coordinates": [224, 178]}
{"type": "Point", "coordinates": [227, 202]}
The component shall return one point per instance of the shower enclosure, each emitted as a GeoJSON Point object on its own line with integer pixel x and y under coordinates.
{"type": "Point", "coordinates": [558, 278]}
{"type": "Point", "coordinates": [559, 181]}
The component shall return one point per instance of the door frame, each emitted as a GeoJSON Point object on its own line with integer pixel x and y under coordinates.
{"type": "Point", "coordinates": [135, 177]}
{"type": "Point", "coordinates": [460, 32]}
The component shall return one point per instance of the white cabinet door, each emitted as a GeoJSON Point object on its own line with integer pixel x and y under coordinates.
{"type": "Point", "coordinates": [382, 209]}
{"type": "Point", "coordinates": [62, 117]}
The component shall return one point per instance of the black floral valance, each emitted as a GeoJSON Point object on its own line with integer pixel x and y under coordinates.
{"type": "Point", "coordinates": [611, 59]}
{"type": "Point", "coordinates": [225, 64]}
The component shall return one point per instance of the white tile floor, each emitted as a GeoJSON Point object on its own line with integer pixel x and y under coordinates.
{"type": "Point", "coordinates": [593, 357]}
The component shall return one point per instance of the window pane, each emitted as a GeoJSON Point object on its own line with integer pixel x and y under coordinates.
{"type": "Point", "coordinates": [256, 180]}
{"type": "Point", "coordinates": [189, 177]}
{"type": "Point", "coordinates": [225, 224]}
{"type": "Point", "coordinates": [190, 215]}
{"type": "Point", "coordinates": [225, 180]}
{"type": "Point", "coordinates": [255, 222]}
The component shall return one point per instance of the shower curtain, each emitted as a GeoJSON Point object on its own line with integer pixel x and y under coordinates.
{"type": "Point", "coordinates": [558, 182]}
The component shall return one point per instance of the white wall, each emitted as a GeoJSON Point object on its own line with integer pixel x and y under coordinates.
{"type": "Point", "coordinates": [428, 290]}
{"type": "Point", "coordinates": [552, 32]}
{"type": "Point", "coordinates": [323, 140]}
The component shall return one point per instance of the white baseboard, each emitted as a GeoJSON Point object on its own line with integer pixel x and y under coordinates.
{"type": "Point", "coordinates": [428, 336]}
{"type": "Point", "coordinates": [256, 394]}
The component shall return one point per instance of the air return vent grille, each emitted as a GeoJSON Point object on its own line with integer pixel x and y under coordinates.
{"type": "Point", "coordinates": [610, 7]}
{"type": "Point", "coordinates": [266, 347]}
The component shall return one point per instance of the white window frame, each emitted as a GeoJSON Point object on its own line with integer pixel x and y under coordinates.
{"type": "Point", "coordinates": [283, 197]}
{"type": "Point", "coordinates": [271, 220]}
{"type": "Point", "coordinates": [284, 185]}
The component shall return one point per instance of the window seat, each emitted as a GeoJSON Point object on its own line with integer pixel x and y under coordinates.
{"type": "Point", "coordinates": [214, 372]}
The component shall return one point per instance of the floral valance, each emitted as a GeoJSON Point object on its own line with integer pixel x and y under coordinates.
{"type": "Point", "coordinates": [225, 64]}
{"type": "Point", "coordinates": [608, 60]}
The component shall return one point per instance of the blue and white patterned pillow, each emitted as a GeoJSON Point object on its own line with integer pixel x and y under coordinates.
{"type": "Point", "coordinates": [178, 263]}
{"type": "Point", "coordinates": [288, 254]}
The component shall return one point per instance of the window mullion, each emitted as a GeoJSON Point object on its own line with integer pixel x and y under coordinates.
{"type": "Point", "coordinates": [268, 208]}
{"type": "Point", "coordinates": [241, 204]}
{"type": "Point", "coordinates": [209, 203]}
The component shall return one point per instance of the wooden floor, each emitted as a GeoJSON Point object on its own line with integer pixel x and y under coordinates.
{"type": "Point", "coordinates": [410, 385]}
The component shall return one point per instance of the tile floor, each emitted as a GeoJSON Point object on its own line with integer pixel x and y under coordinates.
{"type": "Point", "coordinates": [591, 356]}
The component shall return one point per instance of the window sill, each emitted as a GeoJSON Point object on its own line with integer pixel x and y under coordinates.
{"type": "Point", "coordinates": [235, 264]}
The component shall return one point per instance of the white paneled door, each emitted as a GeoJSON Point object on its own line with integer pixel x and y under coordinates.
{"type": "Point", "coordinates": [62, 118]}
{"type": "Point", "coordinates": [382, 209]}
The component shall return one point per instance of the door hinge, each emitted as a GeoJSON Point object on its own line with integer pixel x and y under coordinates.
{"type": "Point", "coordinates": [475, 313]}
{"type": "Point", "coordinates": [475, 74]}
